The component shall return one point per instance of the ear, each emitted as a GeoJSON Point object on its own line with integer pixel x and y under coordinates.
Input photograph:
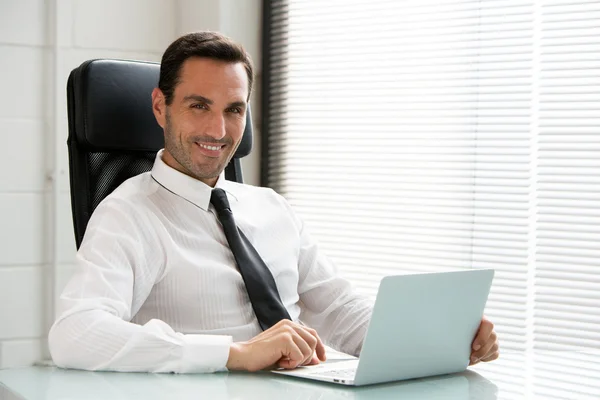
{"type": "Point", "coordinates": [159, 107]}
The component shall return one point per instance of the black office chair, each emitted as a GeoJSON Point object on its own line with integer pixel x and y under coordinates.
{"type": "Point", "coordinates": [113, 134]}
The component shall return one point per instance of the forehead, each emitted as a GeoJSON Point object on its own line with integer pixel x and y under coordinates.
{"type": "Point", "coordinates": [213, 78]}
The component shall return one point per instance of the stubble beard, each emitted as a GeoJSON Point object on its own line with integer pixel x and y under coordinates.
{"type": "Point", "coordinates": [177, 149]}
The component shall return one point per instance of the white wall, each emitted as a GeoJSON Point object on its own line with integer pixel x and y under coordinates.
{"type": "Point", "coordinates": [242, 21]}
{"type": "Point", "coordinates": [36, 236]}
{"type": "Point", "coordinates": [24, 124]}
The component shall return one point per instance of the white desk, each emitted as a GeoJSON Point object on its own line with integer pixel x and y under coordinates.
{"type": "Point", "coordinates": [515, 376]}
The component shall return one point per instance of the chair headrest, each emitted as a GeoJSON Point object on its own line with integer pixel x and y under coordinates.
{"type": "Point", "coordinates": [114, 108]}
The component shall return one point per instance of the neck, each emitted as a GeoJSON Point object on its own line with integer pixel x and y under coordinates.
{"type": "Point", "coordinates": [173, 163]}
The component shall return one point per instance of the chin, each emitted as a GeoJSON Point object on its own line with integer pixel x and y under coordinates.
{"type": "Point", "coordinates": [204, 174]}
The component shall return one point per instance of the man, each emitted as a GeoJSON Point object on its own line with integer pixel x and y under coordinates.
{"type": "Point", "coordinates": [157, 287]}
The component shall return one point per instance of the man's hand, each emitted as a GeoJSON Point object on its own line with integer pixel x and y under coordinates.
{"type": "Point", "coordinates": [285, 345]}
{"type": "Point", "coordinates": [485, 344]}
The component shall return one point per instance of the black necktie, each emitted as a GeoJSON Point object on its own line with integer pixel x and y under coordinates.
{"type": "Point", "coordinates": [259, 281]}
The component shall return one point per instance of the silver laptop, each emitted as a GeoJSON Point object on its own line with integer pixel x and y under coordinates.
{"type": "Point", "coordinates": [422, 325]}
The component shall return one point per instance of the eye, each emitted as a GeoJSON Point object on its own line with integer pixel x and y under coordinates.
{"type": "Point", "coordinates": [235, 110]}
{"type": "Point", "coordinates": [199, 106]}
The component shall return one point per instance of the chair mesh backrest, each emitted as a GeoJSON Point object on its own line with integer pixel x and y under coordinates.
{"type": "Point", "coordinates": [113, 134]}
{"type": "Point", "coordinates": [108, 170]}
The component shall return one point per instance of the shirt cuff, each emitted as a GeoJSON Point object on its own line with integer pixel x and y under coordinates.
{"type": "Point", "coordinates": [205, 353]}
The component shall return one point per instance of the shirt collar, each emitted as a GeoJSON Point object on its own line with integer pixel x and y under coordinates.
{"type": "Point", "coordinates": [191, 189]}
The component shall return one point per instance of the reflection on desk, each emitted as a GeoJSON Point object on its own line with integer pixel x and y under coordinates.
{"type": "Point", "coordinates": [546, 375]}
{"type": "Point", "coordinates": [515, 376]}
{"type": "Point", "coordinates": [52, 383]}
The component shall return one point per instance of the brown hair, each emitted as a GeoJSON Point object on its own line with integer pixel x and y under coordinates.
{"type": "Point", "coordinates": [211, 45]}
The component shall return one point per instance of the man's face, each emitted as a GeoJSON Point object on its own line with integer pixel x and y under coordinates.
{"type": "Point", "coordinates": [205, 122]}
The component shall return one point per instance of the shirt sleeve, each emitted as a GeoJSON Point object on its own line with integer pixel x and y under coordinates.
{"type": "Point", "coordinates": [117, 265]}
{"type": "Point", "coordinates": [329, 302]}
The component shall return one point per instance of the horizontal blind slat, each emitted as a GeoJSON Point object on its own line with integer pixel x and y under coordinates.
{"type": "Point", "coordinates": [454, 131]}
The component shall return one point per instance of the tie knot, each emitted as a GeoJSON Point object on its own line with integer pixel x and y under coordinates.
{"type": "Point", "coordinates": [218, 199]}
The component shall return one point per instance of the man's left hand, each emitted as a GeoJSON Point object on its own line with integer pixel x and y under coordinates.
{"type": "Point", "coordinates": [485, 345]}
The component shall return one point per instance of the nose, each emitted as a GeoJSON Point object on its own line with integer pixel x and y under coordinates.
{"type": "Point", "coordinates": [216, 126]}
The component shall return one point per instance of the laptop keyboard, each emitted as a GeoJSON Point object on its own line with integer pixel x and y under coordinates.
{"type": "Point", "coordinates": [341, 373]}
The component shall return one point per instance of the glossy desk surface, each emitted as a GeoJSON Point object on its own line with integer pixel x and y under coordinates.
{"type": "Point", "coordinates": [558, 375]}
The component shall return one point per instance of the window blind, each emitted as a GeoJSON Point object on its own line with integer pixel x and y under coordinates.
{"type": "Point", "coordinates": [440, 135]}
{"type": "Point", "coordinates": [567, 273]}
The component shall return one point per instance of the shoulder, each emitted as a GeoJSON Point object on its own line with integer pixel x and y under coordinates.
{"type": "Point", "coordinates": [134, 189]}
{"type": "Point", "coordinates": [133, 194]}
{"type": "Point", "coordinates": [263, 200]}
{"type": "Point", "coordinates": [121, 230]}
{"type": "Point", "coordinates": [127, 208]}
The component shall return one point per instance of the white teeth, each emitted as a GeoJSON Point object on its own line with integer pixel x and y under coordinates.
{"type": "Point", "coordinates": [209, 147]}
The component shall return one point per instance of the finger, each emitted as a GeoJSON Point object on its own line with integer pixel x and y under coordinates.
{"type": "Point", "coordinates": [486, 347]}
{"type": "Point", "coordinates": [303, 340]}
{"type": "Point", "coordinates": [492, 357]}
{"type": "Point", "coordinates": [291, 355]}
{"type": "Point", "coordinates": [319, 347]}
{"type": "Point", "coordinates": [489, 353]}
{"type": "Point", "coordinates": [305, 348]}
{"type": "Point", "coordinates": [286, 364]}
{"type": "Point", "coordinates": [313, 361]}
{"type": "Point", "coordinates": [310, 336]}
{"type": "Point", "coordinates": [485, 330]}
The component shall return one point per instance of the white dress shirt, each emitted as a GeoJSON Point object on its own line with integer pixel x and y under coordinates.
{"type": "Point", "coordinates": [156, 287]}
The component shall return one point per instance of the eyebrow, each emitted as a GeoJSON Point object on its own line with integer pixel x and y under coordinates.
{"type": "Point", "coordinates": [241, 104]}
{"type": "Point", "coordinates": [197, 97]}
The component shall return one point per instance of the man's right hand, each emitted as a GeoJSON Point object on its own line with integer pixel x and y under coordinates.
{"type": "Point", "coordinates": [284, 345]}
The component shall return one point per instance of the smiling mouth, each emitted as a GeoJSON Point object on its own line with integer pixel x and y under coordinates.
{"type": "Point", "coordinates": [213, 148]}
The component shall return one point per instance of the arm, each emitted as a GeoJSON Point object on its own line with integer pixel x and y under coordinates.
{"type": "Point", "coordinates": [330, 305]}
{"type": "Point", "coordinates": [118, 263]}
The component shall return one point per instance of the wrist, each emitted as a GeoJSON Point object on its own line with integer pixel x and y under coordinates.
{"type": "Point", "coordinates": [235, 360]}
